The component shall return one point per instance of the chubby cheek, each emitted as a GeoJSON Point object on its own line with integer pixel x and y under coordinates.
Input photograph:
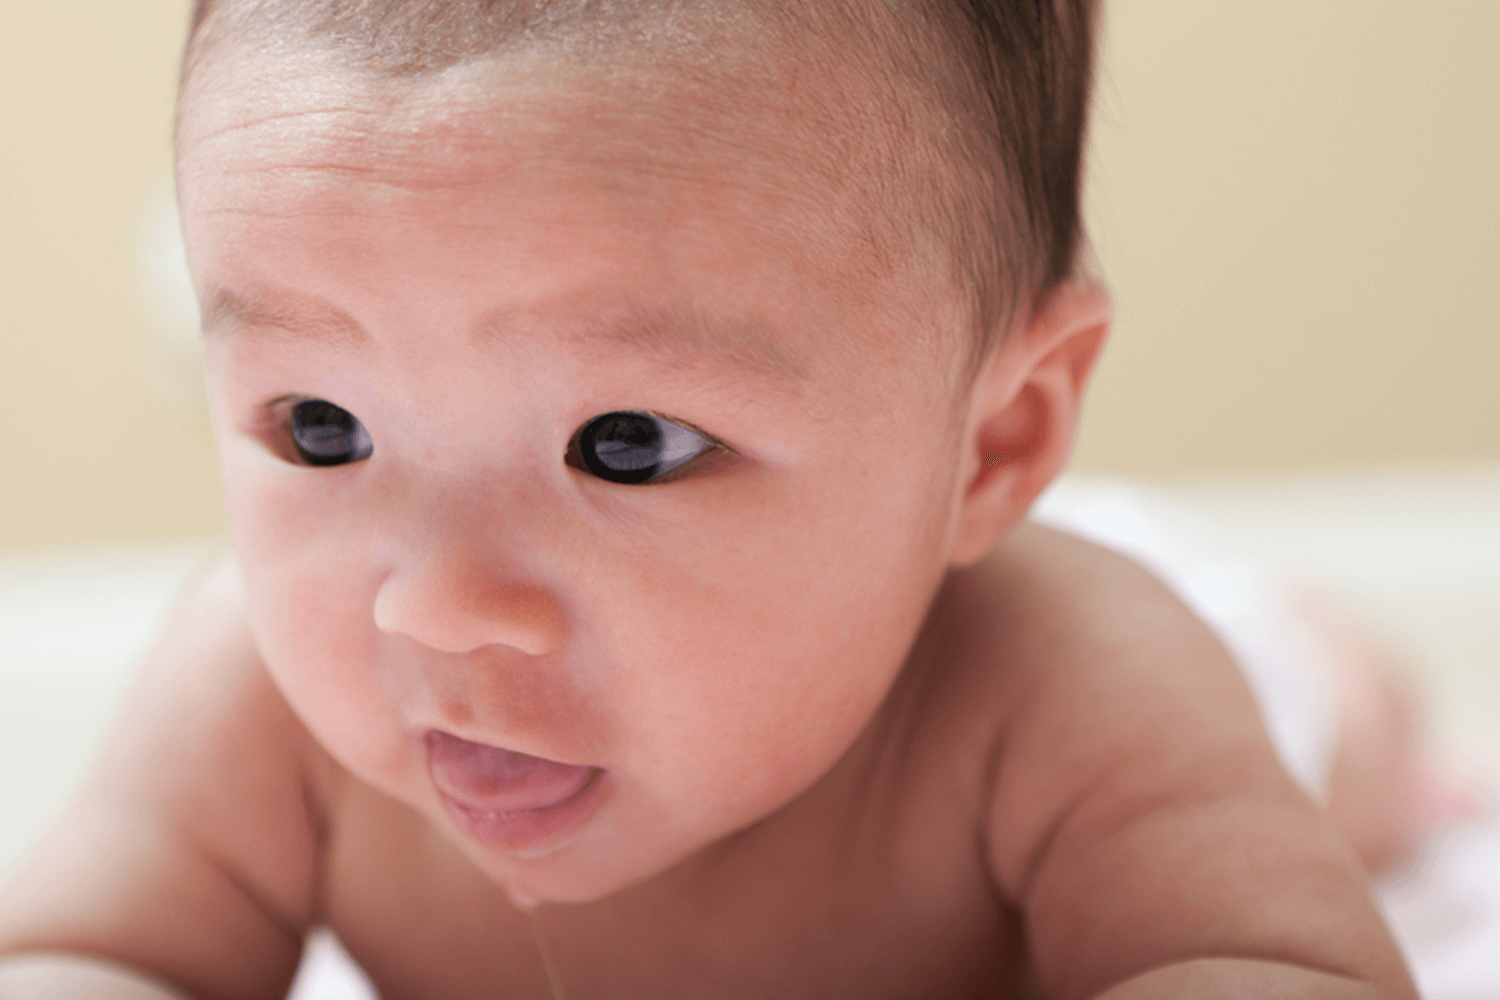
{"type": "Point", "coordinates": [309, 588]}
{"type": "Point", "coordinates": [320, 653]}
{"type": "Point", "coordinates": [770, 650]}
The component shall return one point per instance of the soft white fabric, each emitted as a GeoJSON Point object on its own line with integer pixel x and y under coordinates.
{"type": "Point", "coordinates": [328, 973]}
{"type": "Point", "coordinates": [1444, 910]}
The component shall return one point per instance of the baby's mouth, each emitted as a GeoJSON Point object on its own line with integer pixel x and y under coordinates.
{"type": "Point", "coordinates": [512, 801]}
{"type": "Point", "coordinates": [487, 779]}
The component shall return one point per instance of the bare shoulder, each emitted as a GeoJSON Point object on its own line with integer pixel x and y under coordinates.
{"type": "Point", "coordinates": [1043, 610]}
{"type": "Point", "coordinates": [1137, 814]}
{"type": "Point", "coordinates": [1048, 575]}
{"type": "Point", "coordinates": [1098, 655]}
{"type": "Point", "coordinates": [1023, 659]}
{"type": "Point", "coordinates": [191, 853]}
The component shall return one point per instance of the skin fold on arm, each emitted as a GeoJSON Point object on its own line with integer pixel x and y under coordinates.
{"type": "Point", "coordinates": [1143, 825]}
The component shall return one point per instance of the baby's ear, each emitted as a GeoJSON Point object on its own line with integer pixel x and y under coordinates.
{"type": "Point", "coordinates": [1025, 411]}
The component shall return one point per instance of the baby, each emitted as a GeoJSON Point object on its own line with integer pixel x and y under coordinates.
{"type": "Point", "coordinates": [629, 414]}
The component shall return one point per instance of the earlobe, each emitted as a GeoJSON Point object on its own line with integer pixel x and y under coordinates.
{"type": "Point", "coordinates": [1025, 414]}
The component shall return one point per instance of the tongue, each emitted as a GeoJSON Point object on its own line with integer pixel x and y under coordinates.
{"type": "Point", "coordinates": [490, 779]}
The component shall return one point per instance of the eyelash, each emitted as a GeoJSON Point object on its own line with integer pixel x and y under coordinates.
{"type": "Point", "coordinates": [281, 413]}
{"type": "Point", "coordinates": [712, 447]}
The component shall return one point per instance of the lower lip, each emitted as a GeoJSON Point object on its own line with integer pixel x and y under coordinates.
{"type": "Point", "coordinates": [527, 829]}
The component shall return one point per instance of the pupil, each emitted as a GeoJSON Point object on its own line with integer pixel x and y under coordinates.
{"type": "Point", "coordinates": [328, 435]}
{"type": "Point", "coordinates": [623, 447]}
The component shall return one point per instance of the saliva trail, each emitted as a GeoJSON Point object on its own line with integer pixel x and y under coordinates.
{"type": "Point", "coordinates": [553, 978]}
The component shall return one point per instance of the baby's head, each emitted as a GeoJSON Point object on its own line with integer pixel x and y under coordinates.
{"type": "Point", "coordinates": [613, 382]}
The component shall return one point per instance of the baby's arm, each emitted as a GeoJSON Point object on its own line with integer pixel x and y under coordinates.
{"type": "Point", "coordinates": [1139, 818]}
{"type": "Point", "coordinates": [189, 855]}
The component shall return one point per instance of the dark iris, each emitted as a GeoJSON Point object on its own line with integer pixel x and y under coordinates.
{"type": "Point", "coordinates": [632, 448]}
{"type": "Point", "coordinates": [328, 435]}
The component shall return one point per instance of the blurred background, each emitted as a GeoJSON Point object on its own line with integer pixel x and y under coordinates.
{"type": "Point", "coordinates": [1295, 205]}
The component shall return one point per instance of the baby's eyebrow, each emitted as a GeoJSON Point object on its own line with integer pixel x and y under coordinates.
{"type": "Point", "coordinates": [227, 313]}
{"type": "Point", "coordinates": [691, 340]}
{"type": "Point", "coordinates": [674, 338]}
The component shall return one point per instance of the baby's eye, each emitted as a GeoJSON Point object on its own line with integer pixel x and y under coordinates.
{"type": "Point", "coordinates": [328, 435]}
{"type": "Point", "coordinates": [633, 448]}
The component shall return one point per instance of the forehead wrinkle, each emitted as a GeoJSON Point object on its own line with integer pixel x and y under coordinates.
{"type": "Point", "coordinates": [272, 121]}
{"type": "Point", "coordinates": [449, 132]}
{"type": "Point", "coordinates": [418, 151]}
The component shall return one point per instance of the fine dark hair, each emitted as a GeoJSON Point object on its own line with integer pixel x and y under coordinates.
{"type": "Point", "coordinates": [987, 124]}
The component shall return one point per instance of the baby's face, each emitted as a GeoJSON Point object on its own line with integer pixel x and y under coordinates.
{"type": "Point", "coordinates": [420, 299]}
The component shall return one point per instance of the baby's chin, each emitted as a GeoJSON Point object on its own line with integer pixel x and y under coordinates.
{"type": "Point", "coordinates": [588, 866]}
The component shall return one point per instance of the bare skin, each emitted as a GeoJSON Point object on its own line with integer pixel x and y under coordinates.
{"type": "Point", "coordinates": [897, 874]}
{"type": "Point", "coordinates": [865, 730]}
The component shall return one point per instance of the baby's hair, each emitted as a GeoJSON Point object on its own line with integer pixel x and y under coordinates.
{"type": "Point", "coordinates": [985, 131]}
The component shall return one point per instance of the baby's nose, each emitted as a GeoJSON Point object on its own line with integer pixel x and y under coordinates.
{"type": "Point", "coordinates": [456, 610]}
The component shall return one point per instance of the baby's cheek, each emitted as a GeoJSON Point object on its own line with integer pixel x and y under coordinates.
{"type": "Point", "coordinates": [309, 614]}
{"type": "Point", "coordinates": [333, 687]}
{"type": "Point", "coordinates": [275, 507]}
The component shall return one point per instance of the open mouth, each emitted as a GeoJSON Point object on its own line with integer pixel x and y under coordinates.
{"type": "Point", "coordinates": [506, 799]}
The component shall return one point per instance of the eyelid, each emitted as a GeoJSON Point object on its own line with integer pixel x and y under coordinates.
{"type": "Point", "coordinates": [291, 399]}
{"type": "Point", "coordinates": [273, 426]}
{"type": "Point", "coordinates": [279, 409]}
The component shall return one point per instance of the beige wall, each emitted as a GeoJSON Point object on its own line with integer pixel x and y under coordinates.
{"type": "Point", "coordinates": [100, 445]}
{"type": "Point", "coordinates": [1298, 208]}
{"type": "Point", "coordinates": [1295, 205]}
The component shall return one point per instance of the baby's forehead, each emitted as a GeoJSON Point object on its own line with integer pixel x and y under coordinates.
{"type": "Point", "coordinates": [771, 139]}
{"type": "Point", "coordinates": [756, 103]}
{"type": "Point", "coordinates": [769, 133]}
